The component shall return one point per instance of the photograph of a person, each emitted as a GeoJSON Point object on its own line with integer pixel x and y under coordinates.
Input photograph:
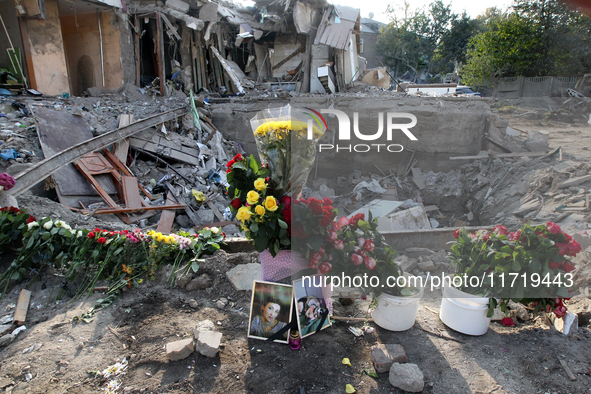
{"type": "Point", "coordinates": [270, 311]}
{"type": "Point", "coordinates": [311, 307]}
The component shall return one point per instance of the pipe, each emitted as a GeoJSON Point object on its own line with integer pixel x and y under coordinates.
{"type": "Point", "coordinates": [98, 14]}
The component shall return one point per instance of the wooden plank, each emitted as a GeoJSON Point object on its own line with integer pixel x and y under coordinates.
{"type": "Point", "coordinates": [86, 173]}
{"type": "Point", "coordinates": [160, 53]}
{"type": "Point", "coordinates": [500, 155]}
{"type": "Point", "coordinates": [228, 70]}
{"type": "Point", "coordinates": [131, 193]}
{"type": "Point", "coordinates": [167, 217]}
{"type": "Point", "coordinates": [129, 210]}
{"type": "Point", "coordinates": [122, 147]}
{"type": "Point", "coordinates": [22, 306]}
{"type": "Point", "coordinates": [216, 212]}
{"type": "Point", "coordinates": [575, 181]}
{"type": "Point", "coordinates": [123, 168]}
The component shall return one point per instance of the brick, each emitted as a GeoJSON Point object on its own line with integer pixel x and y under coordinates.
{"type": "Point", "coordinates": [383, 356]}
{"type": "Point", "coordinates": [208, 343]}
{"type": "Point", "coordinates": [180, 349]}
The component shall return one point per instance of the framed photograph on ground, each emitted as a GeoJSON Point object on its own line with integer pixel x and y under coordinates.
{"type": "Point", "coordinates": [311, 309]}
{"type": "Point", "coordinates": [270, 311]}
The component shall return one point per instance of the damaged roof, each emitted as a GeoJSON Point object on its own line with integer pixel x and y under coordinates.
{"type": "Point", "coordinates": [336, 26]}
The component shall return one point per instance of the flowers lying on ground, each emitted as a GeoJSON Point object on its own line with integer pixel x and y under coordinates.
{"type": "Point", "coordinates": [83, 257]}
{"type": "Point", "coordinates": [531, 265]}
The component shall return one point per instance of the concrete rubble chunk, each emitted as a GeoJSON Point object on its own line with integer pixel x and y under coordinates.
{"type": "Point", "coordinates": [208, 343]}
{"type": "Point", "coordinates": [178, 5]}
{"type": "Point", "coordinates": [425, 264]}
{"type": "Point", "coordinates": [180, 349]}
{"type": "Point", "coordinates": [569, 324]}
{"type": "Point", "coordinates": [417, 252]}
{"type": "Point", "coordinates": [242, 275]}
{"type": "Point", "coordinates": [193, 304]}
{"type": "Point", "coordinates": [205, 325]}
{"type": "Point", "coordinates": [383, 356]}
{"type": "Point", "coordinates": [200, 283]}
{"type": "Point", "coordinates": [6, 340]}
{"type": "Point", "coordinates": [407, 377]}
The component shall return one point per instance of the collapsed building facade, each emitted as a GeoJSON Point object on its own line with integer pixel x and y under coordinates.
{"type": "Point", "coordinates": [308, 46]}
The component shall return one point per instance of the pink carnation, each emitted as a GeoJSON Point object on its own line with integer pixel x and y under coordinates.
{"type": "Point", "coordinates": [7, 181]}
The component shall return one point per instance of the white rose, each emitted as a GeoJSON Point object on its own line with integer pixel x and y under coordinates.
{"type": "Point", "coordinates": [215, 230]}
{"type": "Point", "coordinates": [48, 225]}
{"type": "Point", "coordinates": [80, 233]}
{"type": "Point", "coordinates": [32, 225]}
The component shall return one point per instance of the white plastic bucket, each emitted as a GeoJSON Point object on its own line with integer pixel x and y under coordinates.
{"type": "Point", "coordinates": [396, 313]}
{"type": "Point", "coordinates": [463, 312]}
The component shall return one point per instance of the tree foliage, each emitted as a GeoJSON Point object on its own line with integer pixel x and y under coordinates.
{"type": "Point", "coordinates": [532, 38]}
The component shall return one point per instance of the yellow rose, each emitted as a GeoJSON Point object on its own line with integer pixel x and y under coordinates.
{"type": "Point", "coordinates": [260, 184]}
{"type": "Point", "coordinates": [243, 214]}
{"type": "Point", "coordinates": [259, 210]}
{"type": "Point", "coordinates": [271, 203]}
{"type": "Point", "coordinates": [252, 197]}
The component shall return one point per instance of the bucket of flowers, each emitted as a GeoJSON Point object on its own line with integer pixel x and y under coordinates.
{"type": "Point", "coordinates": [531, 266]}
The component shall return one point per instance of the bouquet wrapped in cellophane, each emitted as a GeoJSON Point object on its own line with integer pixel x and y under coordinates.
{"type": "Point", "coordinates": [283, 143]}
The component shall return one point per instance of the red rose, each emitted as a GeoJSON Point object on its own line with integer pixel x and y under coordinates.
{"type": "Point", "coordinates": [507, 322]}
{"type": "Point", "coordinates": [368, 245]}
{"type": "Point", "coordinates": [315, 208]}
{"type": "Point", "coordinates": [355, 219]}
{"type": "Point", "coordinates": [344, 221]}
{"type": "Point", "coordinates": [14, 210]}
{"type": "Point", "coordinates": [91, 235]}
{"type": "Point", "coordinates": [370, 263]}
{"type": "Point", "coordinates": [560, 311]}
{"type": "Point", "coordinates": [514, 236]}
{"type": "Point", "coordinates": [325, 221]}
{"type": "Point", "coordinates": [552, 265]}
{"type": "Point", "coordinates": [326, 201]}
{"type": "Point", "coordinates": [553, 228]}
{"type": "Point", "coordinates": [287, 214]}
{"type": "Point", "coordinates": [339, 244]}
{"type": "Point", "coordinates": [356, 259]}
{"type": "Point", "coordinates": [31, 219]}
{"type": "Point", "coordinates": [101, 240]}
{"type": "Point", "coordinates": [457, 233]}
{"type": "Point", "coordinates": [230, 163]}
{"type": "Point", "coordinates": [285, 200]}
{"type": "Point", "coordinates": [238, 157]}
{"type": "Point", "coordinates": [325, 267]}
{"type": "Point", "coordinates": [236, 203]}
{"type": "Point", "coordinates": [568, 267]}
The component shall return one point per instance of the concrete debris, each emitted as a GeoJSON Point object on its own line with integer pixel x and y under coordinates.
{"type": "Point", "coordinates": [179, 350]}
{"type": "Point", "coordinates": [407, 377]}
{"type": "Point", "coordinates": [204, 325]}
{"type": "Point", "coordinates": [208, 343]}
{"type": "Point", "coordinates": [242, 275]}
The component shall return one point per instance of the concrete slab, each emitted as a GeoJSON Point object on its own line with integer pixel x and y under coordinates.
{"type": "Point", "coordinates": [242, 275]}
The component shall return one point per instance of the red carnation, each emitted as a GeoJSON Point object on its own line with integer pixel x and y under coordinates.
{"type": "Point", "coordinates": [230, 163]}
{"type": "Point", "coordinates": [101, 240]}
{"type": "Point", "coordinates": [238, 157]}
{"type": "Point", "coordinates": [91, 235]}
{"type": "Point", "coordinates": [457, 233]}
{"type": "Point", "coordinates": [236, 203]}
{"type": "Point", "coordinates": [507, 322]}
{"type": "Point", "coordinates": [500, 230]}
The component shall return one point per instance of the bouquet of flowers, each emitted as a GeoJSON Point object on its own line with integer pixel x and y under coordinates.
{"type": "Point", "coordinates": [286, 140]}
{"type": "Point", "coordinates": [259, 204]}
{"type": "Point", "coordinates": [531, 265]}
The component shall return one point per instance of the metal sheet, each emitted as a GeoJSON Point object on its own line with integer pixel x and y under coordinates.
{"type": "Point", "coordinates": [59, 130]}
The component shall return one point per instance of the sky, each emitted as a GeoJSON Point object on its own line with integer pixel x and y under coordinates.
{"type": "Point", "coordinates": [473, 7]}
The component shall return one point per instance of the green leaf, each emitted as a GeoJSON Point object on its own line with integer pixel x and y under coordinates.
{"type": "Point", "coordinates": [282, 224]}
{"type": "Point", "coordinates": [254, 227]}
{"type": "Point", "coordinates": [194, 266]}
{"type": "Point", "coordinates": [31, 242]}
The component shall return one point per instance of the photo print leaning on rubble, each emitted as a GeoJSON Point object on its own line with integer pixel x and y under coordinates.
{"type": "Point", "coordinates": [312, 314]}
{"type": "Point", "coordinates": [270, 311]}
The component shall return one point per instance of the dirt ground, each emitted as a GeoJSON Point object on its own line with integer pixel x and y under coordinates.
{"type": "Point", "coordinates": [522, 359]}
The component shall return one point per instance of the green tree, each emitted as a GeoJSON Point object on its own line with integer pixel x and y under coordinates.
{"type": "Point", "coordinates": [452, 48]}
{"type": "Point", "coordinates": [509, 48]}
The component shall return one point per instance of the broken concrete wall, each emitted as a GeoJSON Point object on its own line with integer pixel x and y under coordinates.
{"type": "Point", "coordinates": [48, 71]}
{"type": "Point", "coordinates": [83, 51]}
{"type": "Point", "coordinates": [445, 128]}
{"type": "Point", "coordinates": [285, 45]}
{"type": "Point", "coordinates": [126, 45]}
